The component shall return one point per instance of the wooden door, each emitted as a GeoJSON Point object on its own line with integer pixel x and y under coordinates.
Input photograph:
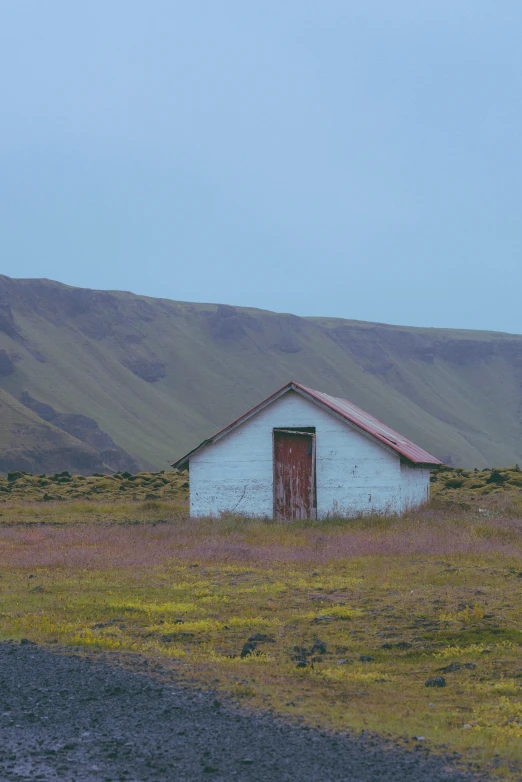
{"type": "Point", "coordinates": [294, 475]}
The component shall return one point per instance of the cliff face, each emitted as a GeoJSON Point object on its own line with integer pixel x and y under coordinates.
{"type": "Point", "coordinates": [93, 381]}
{"type": "Point", "coordinates": [39, 445]}
{"type": "Point", "coordinates": [110, 457]}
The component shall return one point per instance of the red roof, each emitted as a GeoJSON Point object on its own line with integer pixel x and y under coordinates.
{"type": "Point", "coordinates": [343, 408]}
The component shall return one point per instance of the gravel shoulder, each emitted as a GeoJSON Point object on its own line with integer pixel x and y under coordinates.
{"type": "Point", "coordinates": [66, 717]}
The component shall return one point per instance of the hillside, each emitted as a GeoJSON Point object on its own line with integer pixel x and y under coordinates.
{"type": "Point", "coordinates": [94, 381]}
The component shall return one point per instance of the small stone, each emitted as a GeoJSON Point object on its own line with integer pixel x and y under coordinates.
{"type": "Point", "coordinates": [344, 661]}
{"type": "Point", "coordinates": [27, 642]}
{"type": "Point", "coordinates": [438, 681]}
{"type": "Point", "coordinates": [467, 726]}
{"type": "Point", "coordinates": [387, 646]}
{"type": "Point", "coordinates": [403, 645]}
{"type": "Point", "coordinates": [248, 649]}
{"type": "Point", "coordinates": [366, 658]}
{"type": "Point", "coordinates": [318, 647]}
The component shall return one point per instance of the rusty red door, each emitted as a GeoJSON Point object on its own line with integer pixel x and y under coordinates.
{"type": "Point", "coordinates": [294, 475]}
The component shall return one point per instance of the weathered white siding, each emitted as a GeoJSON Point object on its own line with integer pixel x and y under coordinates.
{"type": "Point", "coordinates": [354, 474]}
{"type": "Point", "coordinates": [415, 485]}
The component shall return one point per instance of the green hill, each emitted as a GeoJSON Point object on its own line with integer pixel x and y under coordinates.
{"type": "Point", "coordinates": [106, 381]}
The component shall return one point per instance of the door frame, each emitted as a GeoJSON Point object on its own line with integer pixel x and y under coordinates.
{"type": "Point", "coordinates": [305, 430]}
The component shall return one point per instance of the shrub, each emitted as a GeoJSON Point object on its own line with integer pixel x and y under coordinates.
{"type": "Point", "coordinates": [496, 477]}
{"type": "Point", "coordinates": [454, 483]}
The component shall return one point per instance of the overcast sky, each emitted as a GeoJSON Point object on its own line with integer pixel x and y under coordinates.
{"type": "Point", "coordinates": [359, 159]}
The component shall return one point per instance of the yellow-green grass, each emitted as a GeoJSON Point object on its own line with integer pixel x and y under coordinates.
{"type": "Point", "coordinates": [191, 593]}
{"type": "Point", "coordinates": [86, 512]}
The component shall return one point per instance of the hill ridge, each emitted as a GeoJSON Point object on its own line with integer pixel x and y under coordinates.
{"type": "Point", "coordinates": [158, 376]}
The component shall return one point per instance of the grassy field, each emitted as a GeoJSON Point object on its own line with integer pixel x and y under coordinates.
{"type": "Point", "coordinates": [345, 621]}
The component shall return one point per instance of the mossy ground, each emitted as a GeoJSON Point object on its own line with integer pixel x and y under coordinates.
{"type": "Point", "coordinates": [21, 487]}
{"type": "Point", "coordinates": [439, 587]}
{"type": "Point", "coordinates": [448, 483]}
{"type": "Point", "coordinates": [497, 484]}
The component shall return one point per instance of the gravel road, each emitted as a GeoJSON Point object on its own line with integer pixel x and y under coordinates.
{"type": "Point", "coordinates": [65, 717]}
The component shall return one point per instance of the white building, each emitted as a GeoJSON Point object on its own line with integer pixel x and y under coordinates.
{"type": "Point", "coordinates": [304, 454]}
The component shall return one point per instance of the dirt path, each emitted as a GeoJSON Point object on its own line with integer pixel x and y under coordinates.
{"type": "Point", "coordinates": [62, 717]}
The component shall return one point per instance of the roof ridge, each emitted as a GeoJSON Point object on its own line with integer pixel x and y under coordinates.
{"type": "Point", "coordinates": [347, 410]}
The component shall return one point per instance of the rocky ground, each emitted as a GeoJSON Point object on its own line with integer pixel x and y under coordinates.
{"type": "Point", "coordinates": [65, 717]}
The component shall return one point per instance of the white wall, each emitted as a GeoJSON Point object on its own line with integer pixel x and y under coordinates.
{"type": "Point", "coordinates": [415, 485]}
{"type": "Point", "coordinates": [354, 474]}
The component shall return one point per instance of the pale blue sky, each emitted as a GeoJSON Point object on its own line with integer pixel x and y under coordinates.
{"type": "Point", "coordinates": [356, 158]}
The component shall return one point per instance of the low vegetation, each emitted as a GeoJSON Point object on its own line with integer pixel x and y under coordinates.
{"type": "Point", "coordinates": [407, 626]}
{"type": "Point", "coordinates": [449, 483]}
{"type": "Point", "coordinates": [119, 487]}
{"type": "Point", "coordinates": [454, 483]}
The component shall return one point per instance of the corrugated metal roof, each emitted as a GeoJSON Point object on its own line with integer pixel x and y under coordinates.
{"type": "Point", "coordinates": [342, 407]}
{"type": "Point", "coordinates": [373, 426]}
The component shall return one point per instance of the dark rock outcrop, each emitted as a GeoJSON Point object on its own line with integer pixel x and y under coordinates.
{"type": "Point", "coordinates": [50, 458]}
{"type": "Point", "coordinates": [7, 366]}
{"type": "Point", "coordinates": [109, 455]}
{"type": "Point", "coordinates": [149, 369]}
{"type": "Point", "coordinates": [226, 323]}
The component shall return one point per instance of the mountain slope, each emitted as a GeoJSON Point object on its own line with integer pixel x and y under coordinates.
{"type": "Point", "coordinates": [31, 444]}
{"type": "Point", "coordinates": [158, 376]}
